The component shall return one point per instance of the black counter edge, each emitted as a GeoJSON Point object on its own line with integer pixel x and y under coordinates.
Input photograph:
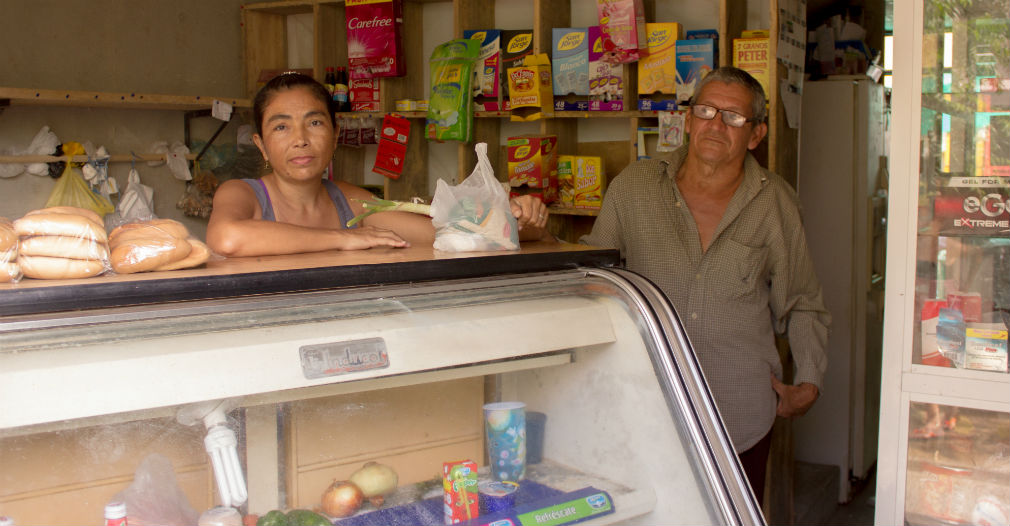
{"type": "Point", "coordinates": [86, 296]}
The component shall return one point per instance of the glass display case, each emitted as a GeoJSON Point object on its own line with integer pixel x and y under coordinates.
{"type": "Point", "coordinates": [315, 381]}
{"type": "Point", "coordinates": [944, 453]}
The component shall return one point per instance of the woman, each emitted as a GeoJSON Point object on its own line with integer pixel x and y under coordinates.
{"type": "Point", "coordinates": [293, 209]}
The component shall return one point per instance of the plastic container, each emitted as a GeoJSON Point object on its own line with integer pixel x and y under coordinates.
{"type": "Point", "coordinates": [220, 516]}
{"type": "Point", "coordinates": [115, 513]}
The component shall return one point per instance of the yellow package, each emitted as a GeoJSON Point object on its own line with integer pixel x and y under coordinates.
{"type": "Point", "coordinates": [590, 182]}
{"type": "Point", "coordinates": [566, 181]}
{"type": "Point", "coordinates": [531, 91]}
{"type": "Point", "coordinates": [657, 71]}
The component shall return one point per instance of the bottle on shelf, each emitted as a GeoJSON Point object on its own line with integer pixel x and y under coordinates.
{"type": "Point", "coordinates": [329, 80]}
{"type": "Point", "coordinates": [341, 90]}
{"type": "Point", "coordinates": [115, 513]}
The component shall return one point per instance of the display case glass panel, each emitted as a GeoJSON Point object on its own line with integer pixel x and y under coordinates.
{"type": "Point", "coordinates": [962, 286]}
{"type": "Point", "coordinates": [619, 425]}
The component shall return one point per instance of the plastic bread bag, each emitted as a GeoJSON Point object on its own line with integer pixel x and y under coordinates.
{"type": "Point", "coordinates": [10, 271]}
{"type": "Point", "coordinates": [142, 246]}
{"type": "Point", "coordinates": [61, 242]}
{"type": "Point", "coordinates": [154, 497]}
{"type": "Point", "coordinates": [474, 215]}
{"type": "Point", "coordinates": [450, 104]}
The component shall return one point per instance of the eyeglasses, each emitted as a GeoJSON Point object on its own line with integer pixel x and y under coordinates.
{"type": "Point", "coordinates": [731, 118]}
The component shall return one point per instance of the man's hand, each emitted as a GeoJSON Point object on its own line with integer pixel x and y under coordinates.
{"type": "Point", "coordinates": [794, 400]}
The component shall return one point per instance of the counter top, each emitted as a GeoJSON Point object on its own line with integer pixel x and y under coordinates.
{"type": "Point", "coordinates": [232, 277]}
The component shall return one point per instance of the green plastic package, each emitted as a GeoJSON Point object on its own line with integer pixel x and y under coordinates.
{"type": "Point", "coordinates": [450, 104]}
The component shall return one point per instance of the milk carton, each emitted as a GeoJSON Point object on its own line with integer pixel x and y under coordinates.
{"type": "Point", "coordinates": [657, 71]}
{"type": "Point", "coordinates": [695, 59]}
{"type": "Point", "coordinates": [570, 60]}
{"type": "Point", "coordinates": [374, 47]}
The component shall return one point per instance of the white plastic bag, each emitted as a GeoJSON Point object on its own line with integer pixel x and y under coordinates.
{"type": "Point", "coordinates": [136, 203]}
{"type": "Point", "coordinates": [44, 143]}
{"type": "Point", "coordinates": [474, 215]}
{"type": "Point", "coordinates": [154, 497]}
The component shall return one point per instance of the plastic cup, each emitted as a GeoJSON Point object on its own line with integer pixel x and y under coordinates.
{"type": "Point", "coordinates": [505, 425]}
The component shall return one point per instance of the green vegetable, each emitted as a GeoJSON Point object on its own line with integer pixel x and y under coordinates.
{"type": "Point", "coordinates": [385, 205]}
{"type": "Point", "coordinates": [273, 518]}
{"type": "Point", "coordinates": [307, 518]}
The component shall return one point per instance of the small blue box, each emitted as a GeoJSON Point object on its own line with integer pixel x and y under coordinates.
{"type": "Point", "coordinates": [570, 60]}
{"type": "Point", "coordinates": [695, 59]}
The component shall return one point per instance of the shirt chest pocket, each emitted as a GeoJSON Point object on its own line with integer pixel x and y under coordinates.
{"type": "Point", "coordinates": [743, 270]}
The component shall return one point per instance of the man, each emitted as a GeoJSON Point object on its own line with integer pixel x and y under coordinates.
{"type": "Point", "coordinates": [722, 237]}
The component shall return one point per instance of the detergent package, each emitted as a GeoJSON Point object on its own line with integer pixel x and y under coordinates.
{"type": "Point", "coordinates": [450, 115]}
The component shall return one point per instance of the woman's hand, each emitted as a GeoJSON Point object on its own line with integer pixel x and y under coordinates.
{"type": "Point", "coordinates": [368, 237]}
{"type": "Point", "coordinates": [529, 212]}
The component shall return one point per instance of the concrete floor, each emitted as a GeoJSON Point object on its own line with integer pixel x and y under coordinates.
{"type": "Point", "coordinates": [859, 511]}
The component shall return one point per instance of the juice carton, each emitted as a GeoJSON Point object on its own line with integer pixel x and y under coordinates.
{"type": "Point", "coordinates": [751, 55]}
{"type": "Point", "coordinates": [460, 496]}
{"type": "Point", "coordinates": [570, 60]}
{"type": "Point", "coordinates": [657, 70]}
{"type": "Point", "coordinates": [566, 180]}
{"type": "Point", "coordinates": [590, 182]}
{"type": "Point", "coordinates": [695, 59]}
{"type": "Point", "coordinates": [533, 161]}
{"type": "Point", "coordinates": [530, 93]}
{"type": "Point", "coordinates": [489, 61]}
{"type": "Point", "coordinates": [516, 45]}
{"type": "Point", "coordinates": [623, 25]}
{"type": "Point", "coordinates": [606, 80]}
{"type": "Point", "coordinates": [374, 46]}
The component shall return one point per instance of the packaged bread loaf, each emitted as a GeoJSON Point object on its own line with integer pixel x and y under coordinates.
{"type": "Point", "coordinates": [156, 244]}
{"type": "Point", "coordinates": [9, 269]}
{"type": "Point", "coordinates": [61, 242]}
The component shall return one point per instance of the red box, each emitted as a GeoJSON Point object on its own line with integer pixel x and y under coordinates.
{"type": "Point", "coordinates": [374, 45]}
{"type": "Point", "coordinates": [533, 161]}
{"type": "Point", "coordinates": [460, 494]}
{"type": "Point", "coordinates": [392, 152]}
{"type": "Point", "coordinates": [364, 90]}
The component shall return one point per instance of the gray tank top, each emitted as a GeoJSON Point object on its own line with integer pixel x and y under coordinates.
{"type": "Point", "coordinates": [339, 201]}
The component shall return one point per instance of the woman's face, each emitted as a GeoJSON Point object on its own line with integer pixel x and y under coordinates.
{"type": "Point", "coordinates": [298, 139]}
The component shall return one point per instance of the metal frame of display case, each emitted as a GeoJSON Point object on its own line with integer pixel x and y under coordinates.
{"type": "Point", "coordinates": [902, 382]}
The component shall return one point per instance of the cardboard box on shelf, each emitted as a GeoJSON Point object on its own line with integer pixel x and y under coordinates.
{"type": "Point", "coordinates": [606, 80]}
{"type": "Point", "coordinates": [530, 90]}
{"type": "Point", "coordinates": [589, 180]}
{"type": "Point", "coordinates": [657, 70]}
{"type": "Point", "coordinates": [570, 60]}
{"type": "Point", "coordinates": [695, 59]}
{"type": "Point", "coordinates": [751, 55]}
{"type": "Point", "coordinates": [374, 46]}
{"type": "Point", "coordinates": [566, 181]}
{"type": "Point", "coordinates": [532, 161]}
{"type": "Point", "coordinates": [517, 44]}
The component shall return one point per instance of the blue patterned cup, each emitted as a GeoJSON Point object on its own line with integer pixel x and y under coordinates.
{"type": "Point", "coordinates": [505, 424]}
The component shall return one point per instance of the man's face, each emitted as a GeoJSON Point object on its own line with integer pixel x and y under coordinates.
{"type": "Point", "coordinates": [713, 140]}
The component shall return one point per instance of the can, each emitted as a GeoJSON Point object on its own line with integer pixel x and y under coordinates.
{"type": "Point", "coordinates": [497, 496]}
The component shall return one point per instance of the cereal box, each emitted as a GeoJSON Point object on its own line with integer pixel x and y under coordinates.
{"type": "Point", "coordinates": [530, 88]}
{"type": "Point", "coordinates": [533, 161]}
{"type": "Point", "coordinates": [566, 181]}
{"type": "Point", "coordinates": [751, 55]}
{"type": "Point", "coordinates": [623, 25]}
{"type": "Point", "coordinates": [516, 46]}
{"type": "Point", "coordinates": [590, 182]}
{"type": "Point", "coordinates": [374, 47]}
{"type": "Point", "coordinates": [460, 496]}
{"type": "Point", "coordinates": [657, 70]}
{"type": "Point", "coordinates": [606, 80]}
{"type": "Point", "coordinates": [489, 60]}
{"type": "Point", "coordinates": [570, 60]}
{"type": "Point", "coordinates": [695, 59]}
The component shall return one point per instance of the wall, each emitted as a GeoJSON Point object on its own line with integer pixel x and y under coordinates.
{"type": "Point", "coordinates": [185, 47]}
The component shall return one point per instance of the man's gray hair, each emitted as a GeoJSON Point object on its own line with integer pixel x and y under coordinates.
{"type": "Point", "coordinates": [731, 75]}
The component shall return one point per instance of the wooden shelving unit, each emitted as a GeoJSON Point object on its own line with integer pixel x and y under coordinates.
{"type": "Point", "coordinates": [101, 99]}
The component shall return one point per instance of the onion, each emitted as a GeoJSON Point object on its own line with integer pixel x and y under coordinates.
{"type": "Point", "coordinates": [375, 480]}
{"type": "Point", "coordinates": [342, 499]}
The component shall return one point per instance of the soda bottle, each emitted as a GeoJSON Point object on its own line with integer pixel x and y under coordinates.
{"type": "Point", "coordinates": [329, 80]}
{"type": "Point", "coordinates": [341, 90]}
{"type": "Point", "coordinates": [115, 514]}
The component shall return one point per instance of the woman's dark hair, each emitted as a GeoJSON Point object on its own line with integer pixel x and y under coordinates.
{"type": "Point", "coordinates": [286, 81]}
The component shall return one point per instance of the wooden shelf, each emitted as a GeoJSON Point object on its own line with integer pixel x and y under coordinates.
{"type": "Point", "coordinates": [563, 210]}
{"type": "Point", "coordinates": [118, 158]}
{"type": "Point", "coordinates": [101, 99]}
